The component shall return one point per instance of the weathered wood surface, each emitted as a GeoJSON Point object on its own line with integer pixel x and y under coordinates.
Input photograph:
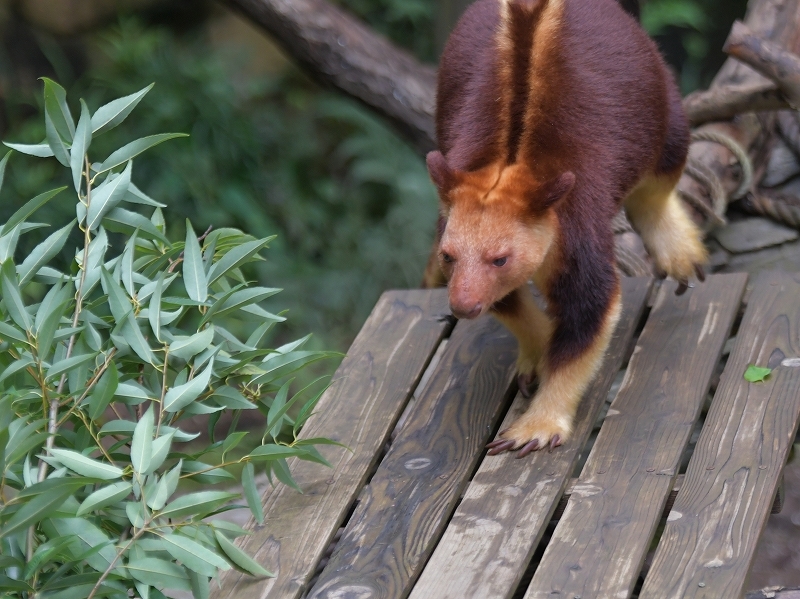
{"type": "Point", "coordinates": [598, 547]}
{"type": "Point", "coordinates": [713, 528]}
{"type": "Point", "coordinates": [366, 398]}
{"type": "Point", "coordinates": [404, 509]}
{"type": "Point", "coordinates": [509, 502]}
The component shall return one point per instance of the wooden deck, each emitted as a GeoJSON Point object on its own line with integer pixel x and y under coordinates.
{"type": "Point", "coordinates": [426, 514]}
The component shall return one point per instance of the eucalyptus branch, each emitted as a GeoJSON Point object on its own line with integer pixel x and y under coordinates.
{"type": "Point", "coordinates": [113, 563]}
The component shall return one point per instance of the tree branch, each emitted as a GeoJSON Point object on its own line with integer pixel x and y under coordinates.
{"type": "Point", "coordinates": [767, 58]}
{"type": "Point", "coordinates": [725, 102]}
{"type": "Point", "coordinates": [339, 51]}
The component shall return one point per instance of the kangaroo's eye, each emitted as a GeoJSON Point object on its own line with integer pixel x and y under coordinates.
{"type": "Point", "coordinates": [447, 257]}
{"type": "Point", "coordinates": [500, 261]}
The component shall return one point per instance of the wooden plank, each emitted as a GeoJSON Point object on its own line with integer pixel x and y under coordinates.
{"type": "Point", "coordinates": [711, 533]}
{"type": "Point", "coordinates": [404, 509]}
{"type": "Point", "coordinates": [509, 502]}
{"type": "Point", "coordinates": [777, 504]}
{"type": "Point", "coordinates": [598, 547]}
{"type": "Point", "coordinates": [368, 394]}
{"type": "Point", "coordinates": [775, 593]}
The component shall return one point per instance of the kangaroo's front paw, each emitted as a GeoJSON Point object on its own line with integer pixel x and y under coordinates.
{"type": "Point", "coordinates": [536, 429]}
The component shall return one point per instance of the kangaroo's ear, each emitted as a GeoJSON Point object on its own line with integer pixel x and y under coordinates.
{"type": "Point", "coordinates": [555, 189]}
{"type": "Point", "coordinates": [441, 174]}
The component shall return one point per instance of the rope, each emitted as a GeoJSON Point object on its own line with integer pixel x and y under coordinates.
{"type": "Point", "coordinates": [777, 207]}
{"type": "Point", "coordinates": [737, 150]}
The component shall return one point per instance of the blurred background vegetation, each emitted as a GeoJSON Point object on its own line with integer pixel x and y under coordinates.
{"type": "Point", "coordinates": [269, 151]}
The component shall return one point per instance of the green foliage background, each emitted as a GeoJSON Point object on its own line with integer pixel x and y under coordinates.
{"type": "Point", "coordinates": [351, 203]}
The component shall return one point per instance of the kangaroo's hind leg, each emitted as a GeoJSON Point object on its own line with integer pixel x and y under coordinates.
{"type": "Point", "coordinates": [671, 237]}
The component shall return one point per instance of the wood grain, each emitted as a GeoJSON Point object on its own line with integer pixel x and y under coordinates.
{"type": "Point", "coordinates": [598, 547]}
{"type": "Point", "coordinates": [509, 502]}
{"type": "Point", "coordinates": [368, 393]}
{"type": "Point", "coordinates": [713, 528]}
{"type": "Point", "coordinates": [404, 509]}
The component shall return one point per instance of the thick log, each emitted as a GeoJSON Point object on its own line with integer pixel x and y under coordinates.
{"type": "Point", "coordinates": [340, 51]}
{"type": "Point", "coordinates": [779, 22]}
{"type": "Point", "coordinates": [723, 103]}
{"type": "Point", "coordinates": [767, 58]}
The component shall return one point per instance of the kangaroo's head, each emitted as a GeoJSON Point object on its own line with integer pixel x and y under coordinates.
{"type": "Point", "coordinates": [497, 226]}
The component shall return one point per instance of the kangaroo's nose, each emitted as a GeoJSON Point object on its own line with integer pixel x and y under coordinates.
{"type": "Point", "coordinates": [461, 311]}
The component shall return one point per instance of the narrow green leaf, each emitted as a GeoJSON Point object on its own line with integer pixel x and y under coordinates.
{"type": "Point", "coordinates": [193, 555]}
{"type": "Point", "coordinates": [20, 449]}
{"type": "Point", "coordinates": [12, 296]}
{"type": "Point", "coordinates": [91, 264]}
{"type": "Point", "coordinates": [281, 470]}
{"type": "Point", "coordinates": [80, 145]}
{"type": "Point", "coordinates": [236, 257]}
{"type": "Point", "coordinates": [240, 299]}
{"type": "Point", "coordinates": [41, 506]}
{"type": "Point", "coordinates": [3, 164]}
{"type": "Point", "coordinates": [187, 347]}
{"type": "Point", "coordinates": [62, 366]}
{"type": "Point", "coordinates": [57, 145]}
{"type": "Point", "coordinates": [105, 496]}
{"type": "Point", "coordinates": [251, 492]}
{"type": "Point", "coordinates": [99, 550]}
{"type": "Point", "coordinates": [200, 503]}
{"type": "Point", "coordinates": [85, 466]}
{"type": "Point", "coordinates": [120, 220]}
{"type": "Point", "coordinates": [154, 308]}
{"type": "Point", "coordinates": [29, 208]}
{"type": "Point", "coordinates": [118, 302]}
{"type": "Point", "coordinates": [106, 197]}
{"type": "Point", "coordinates": [15, 367]}
{"type": "Point", "coordinates": [280, 365]}
{"type": "Point", "coordinates": [8, 244]}
{"type": "Point", "coordinates": [55, 104]}
{"type": "Point", "coordinates": [160, 452]}
{"type": "Point", "coordinates": [159, 573]}
{"type": "Point", "coordinates": [756, 374]}
{"type": "Point", "coordinates": [41, 150]}
{"type": "Point", "coordinates": [137, 196]}
{"type": "Point", "coordinates": [103, 392]}
{"type": "Point", "coordinates": [135, 513]}
{"type": "Point", "coordinates": [142, 443]}
{"type": "Point", "coordinates": [135, 148]}
{"type": "Point", "coordinates": [11, 333]}
{"type": "Point", "coordinates": [43, 253]}
{"type": "Point", "coordinates": [270, 452]}
{"type": "Point", "coordinates": [45, 334]}
{"type": "Point", "coordinates": [240, 559]}
{"type": "Point", "coordinates": [277, 410]}
{"type": "Point", "coordinates": [182, 395]}
{"type": "Point", "coordinates": [194, 276]}
{"type": "Point", "coordinates": [112, 114]}
{"type": "Point", "coordinates": [230, 398]}
{"type": "Point", "coordinates": [201, 589]}
{"type": "Point", "coordinates": [133, 335]}
{"type": "Point", "coordinates": [127, 269]}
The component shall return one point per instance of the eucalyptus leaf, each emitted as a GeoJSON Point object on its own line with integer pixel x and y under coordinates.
{"type": "Point", "coordinates": [187, 347]}
{"type": "Point", "coordinates": [105, 496]}
{"type": "Point", "coordinates": [179, 397]}
{"type": "Point", "coordinates": [41, 150]}
{"type": "Point", "coordinates": [57, 145]}
{"type": "Point", "coordinates": [112, 114]}
{"type": "Point", "coordinates": [29, 208]}
{"type": "Point", "coordinates": [80, 145]}
{"type": "Point", "coordinates": [12, 298]}
{"type": "Point", "coordinates": [86, 466]}
{"type": "Point", "coordinates": [43, 253]}
{"type": "Point", "coordinates": [193, 555]}
{"type": "Point", "coordinates": [55, 105]}
{"type": "Point", "coordinates": [241, 560]}
{"type": "Point", "coordinates": [135, 148]}
{"type": "Point", "coordinates": [106, 197]}
{"type": "Point", "coordinates": [142, 443]}
{"type": "Point", "coordinates": [194, 504]}
{"type": "Point", "coordinates": [251, 493]}
{"type": "Point", "coordinates": [194, 275]}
